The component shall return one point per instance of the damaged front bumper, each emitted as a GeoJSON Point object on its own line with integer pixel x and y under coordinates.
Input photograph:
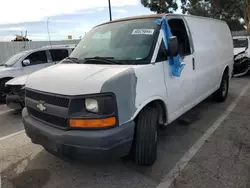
{"type": "Point", "coordinates": [15, 98]}
{"type": "Point", "coordinates": [15, 102]}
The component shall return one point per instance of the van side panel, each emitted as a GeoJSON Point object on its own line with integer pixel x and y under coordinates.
{"type": "Point", "coordinates": [213, 51]}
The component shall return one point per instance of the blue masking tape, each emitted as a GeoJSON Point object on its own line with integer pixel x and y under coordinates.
{"type": "Point", "coordinates": [174, 62]}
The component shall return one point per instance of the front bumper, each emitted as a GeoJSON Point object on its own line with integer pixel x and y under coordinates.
{"type": "Point", "coordinates": [241, 66]}
{"type": "Point", "coordinates": [109, 143]}
{"type": "Point", "coordinates": [14, 102]}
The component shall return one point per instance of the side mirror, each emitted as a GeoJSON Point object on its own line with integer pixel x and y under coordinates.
{"type": "Point", "coordinates": [173, 46]}
{"type": "Point", "coordinates": [26, 62]}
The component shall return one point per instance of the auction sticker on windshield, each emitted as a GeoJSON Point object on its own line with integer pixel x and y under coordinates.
{"type": "Point", "coordinates": [143, 32]}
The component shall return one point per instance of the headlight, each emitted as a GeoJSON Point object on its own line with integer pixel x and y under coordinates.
{"type": "Point", "coordinates": [91, 105]}
{"type": "Point", "coordinates": [98, 111]}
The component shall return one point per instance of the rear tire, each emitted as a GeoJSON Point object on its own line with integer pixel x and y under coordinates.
{"type": "Point", "coordinates": [146, 136]}
{"type": "Point", "coordinates": [221, 94]}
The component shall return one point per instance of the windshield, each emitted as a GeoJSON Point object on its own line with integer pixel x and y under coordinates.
{"type": "Point", "coordinates": [13, 59]}
{"type": "Point", "coordinates": [126, 40]}
{"type": "Point", "coordinates": [240, 43]}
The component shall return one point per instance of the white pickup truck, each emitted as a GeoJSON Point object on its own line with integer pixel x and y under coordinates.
{"type": "Point", "coordinates": [24, 63]}
{"type": "Point", "coordinates": [123, 81]}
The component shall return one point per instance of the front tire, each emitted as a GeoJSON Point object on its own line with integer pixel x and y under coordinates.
{"type": "Point", "coordinates": [221, 94]}
{"type": "Point", "coordinates": [146, 136]}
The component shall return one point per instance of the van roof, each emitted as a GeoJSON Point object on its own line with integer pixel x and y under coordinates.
{"type": "Point", "coordinates": [157, 16]}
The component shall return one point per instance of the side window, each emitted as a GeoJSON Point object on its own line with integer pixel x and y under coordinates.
{"type": "Point", "coordinates": [37, 58]}
{"type": "Point", "coordinates": [162, 56]}
{"type": "Point", "coordinates": [179, 30]}
{"type": "Point", "coordinates": [59, 54]}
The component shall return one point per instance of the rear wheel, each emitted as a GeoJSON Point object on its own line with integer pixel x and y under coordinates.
{"type": "Point", "coordinates": [221, 94]}
{"type": "Point", "coordinates": [146, 136]}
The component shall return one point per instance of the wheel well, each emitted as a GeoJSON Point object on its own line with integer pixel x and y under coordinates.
{"type": "Point", "coordinates": [5, 79]}
{"type": "Point", "coordinates": [161, 108]}
{"type": "Point", "coordinates": [226, 70]}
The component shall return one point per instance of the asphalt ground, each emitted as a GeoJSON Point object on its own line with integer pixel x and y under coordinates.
{"type": "Point", "coordinates": [26, 165]}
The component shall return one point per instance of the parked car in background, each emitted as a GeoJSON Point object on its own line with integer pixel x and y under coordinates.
{"type": "Point", "coordinates": [241, 44]}
{"type": "Point", "coordinates": [110, 98]}
{"type": "Point", "coordinates": [25, 63]}
{"type": "Point", "coordinates": [241, 55]}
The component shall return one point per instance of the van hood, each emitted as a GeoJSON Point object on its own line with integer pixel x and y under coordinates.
{"type": "Point", "coordinates": [73, 79]}
{"type": "Point", "coordinates": [20, 80]}
{"type": "Point", "coordinates": [238, 50]}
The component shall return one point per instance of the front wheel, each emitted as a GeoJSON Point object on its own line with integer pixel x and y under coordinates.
{"type": "Point", "coordinates": [221, 94]}
{"type": "Point", "coordinates": [146, 137]}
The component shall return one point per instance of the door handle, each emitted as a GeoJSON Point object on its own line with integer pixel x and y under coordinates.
{"type": "Point", "coordinates": [193, 61]}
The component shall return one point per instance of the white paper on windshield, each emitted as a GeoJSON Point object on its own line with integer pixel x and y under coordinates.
{"type": "Point", "coordinates": [143, 32]}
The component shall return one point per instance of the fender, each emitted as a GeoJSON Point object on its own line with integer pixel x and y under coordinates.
{"type": "Point", "coordinates": [10, 72]}
{"type": "Point", "coordinates": [146, 102]}
{"type": "Point", "coordinates": [229, 71]}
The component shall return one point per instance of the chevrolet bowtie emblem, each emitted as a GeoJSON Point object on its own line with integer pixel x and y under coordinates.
{"type": "Point", "coordinates": [40, 106]}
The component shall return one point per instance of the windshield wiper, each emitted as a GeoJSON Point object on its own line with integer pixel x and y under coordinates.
{"type": "Point", "coordinates": [73, 59]}
{"type": "Point", "coordinates": [103, 59]}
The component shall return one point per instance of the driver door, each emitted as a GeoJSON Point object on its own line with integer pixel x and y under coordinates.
{"type": "Point", "coordinates": [181, 91]}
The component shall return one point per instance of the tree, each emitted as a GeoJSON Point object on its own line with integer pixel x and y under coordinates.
{"type": "Point", "coordinates": [198, 8]}
{"type": "Point", "coordinates": [230, 11]}
{"type": "Point", "coordinates": [162, 6]}
{"type": "Point", "coordinates": [244, 6]}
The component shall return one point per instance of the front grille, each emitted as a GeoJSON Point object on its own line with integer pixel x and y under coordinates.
{"type": "Point", "coordinates": [51, 119]}
{"type": "Point", "coordinates": [49, 99]}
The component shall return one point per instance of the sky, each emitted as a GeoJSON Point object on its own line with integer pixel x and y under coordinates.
{"type": "Point", "coordinates": [60, 17]}
{"type": "Point", "coordinates": [71, 17]}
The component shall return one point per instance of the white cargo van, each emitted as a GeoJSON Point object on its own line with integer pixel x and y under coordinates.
{"type": "Point", "coordinates": [110, 97]}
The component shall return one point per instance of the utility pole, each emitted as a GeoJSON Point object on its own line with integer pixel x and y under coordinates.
{"type": "Point", "coordinates": [110, 16]}
{"type": "Point", "coordinates": [48, 30]}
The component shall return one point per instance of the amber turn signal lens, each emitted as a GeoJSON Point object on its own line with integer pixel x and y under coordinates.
{"type": "Point", "coordinates": [92, 123]}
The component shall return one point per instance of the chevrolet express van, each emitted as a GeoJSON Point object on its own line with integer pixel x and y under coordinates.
{"type": "Point", "coordinates": [123, 81]}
